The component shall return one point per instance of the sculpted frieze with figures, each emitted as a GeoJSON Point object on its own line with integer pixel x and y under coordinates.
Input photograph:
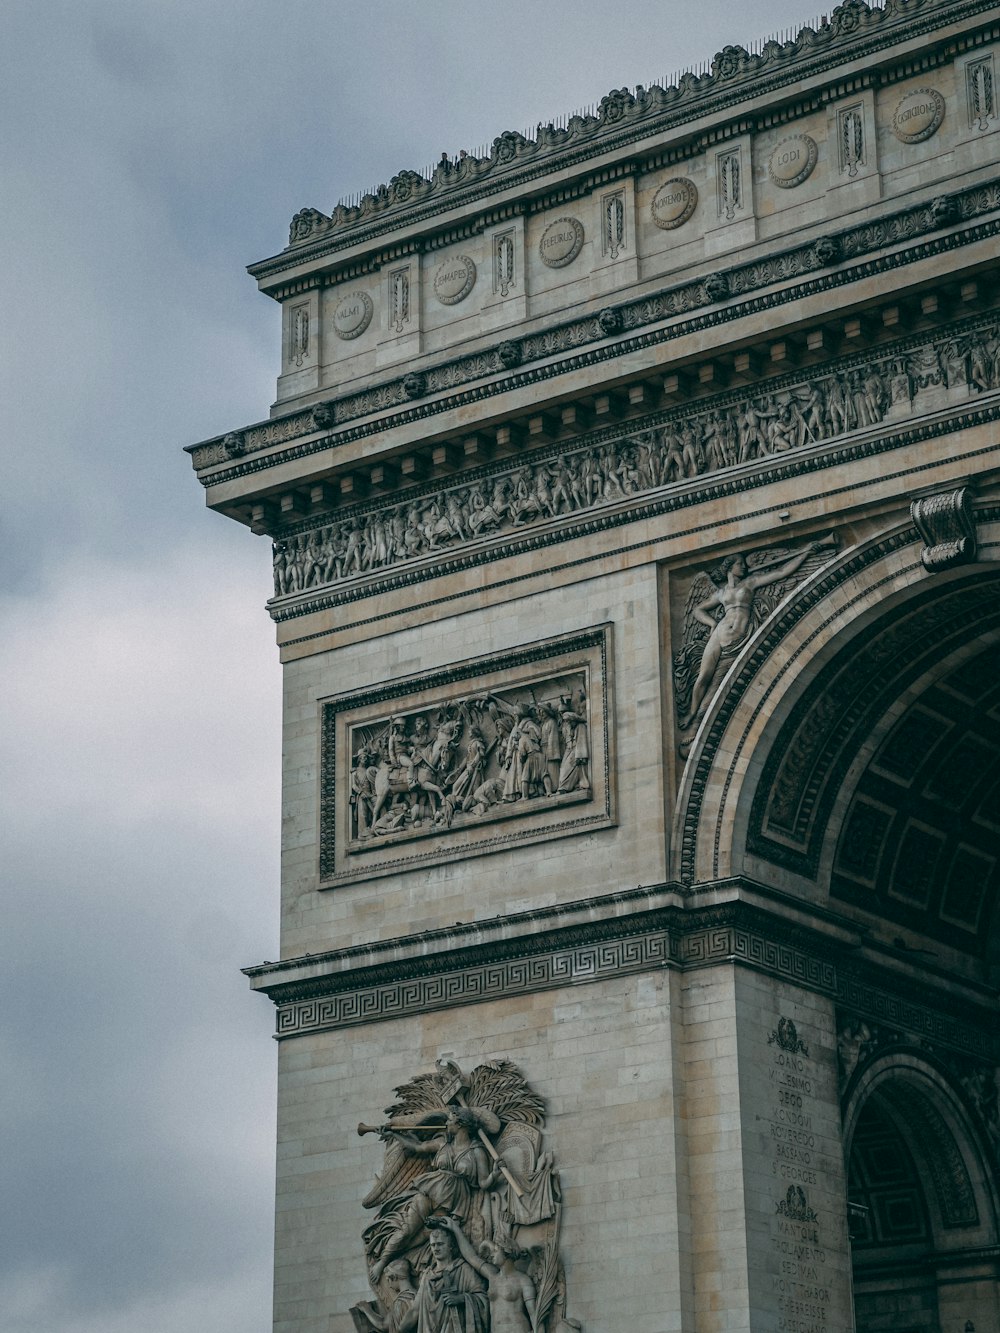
{"type": "Point", "coordinates": [682, 445]}
{"type": "Point", "coordinates": [464, 760]}
{"type": "Point", "coordinates": [467, 1210]}
{"type": "Point", "coordinates": [477, 758]}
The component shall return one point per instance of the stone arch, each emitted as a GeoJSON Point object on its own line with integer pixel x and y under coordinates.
{"type": "Point", "coordinates": [876, 624]}
{"type": "Point", "coordinates": [923, 1200]}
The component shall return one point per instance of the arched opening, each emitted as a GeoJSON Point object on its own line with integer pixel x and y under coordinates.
{"type": "Point", "coordinates": [922, 1205]}
{"type": "Point", "coordinates": [850, 760]}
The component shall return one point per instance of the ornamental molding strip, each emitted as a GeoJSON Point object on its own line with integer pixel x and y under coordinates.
{"type": "Point", "coordinates": [881, 246]}
{"type": "Point", "coordinates": [675, 500]}
{"type": "Point", "coordinates": [681, 937]}
{"type": "Point", "coordinates": [570, 485]}
{"type": "Point", "coordinates": [854, 31]}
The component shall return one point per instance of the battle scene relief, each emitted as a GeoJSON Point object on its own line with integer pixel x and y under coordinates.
{"type": "Point", "coordinates": [470, 760]}
{"type": "Point", "coordinates": [493, 751]}
{"type": "Point", "coordinates": [618, 468]}
{"type": "Point", "coordinates": [467, 1210]}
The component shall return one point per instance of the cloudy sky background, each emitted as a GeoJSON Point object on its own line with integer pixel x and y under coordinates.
{"type": "Point", "coordinates": [148, 150]}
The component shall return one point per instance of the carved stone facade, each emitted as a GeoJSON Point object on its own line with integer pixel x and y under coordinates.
{"type": "Point", "coordinates": [636, 538]}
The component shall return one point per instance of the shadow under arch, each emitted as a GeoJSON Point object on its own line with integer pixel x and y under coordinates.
{"type": "Point", "coordinates": [924, 1202]}
{"type": "Point", "coordinates": [871, 619]}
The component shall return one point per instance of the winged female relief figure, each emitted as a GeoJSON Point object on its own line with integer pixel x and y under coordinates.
{"type": "Point", "coordinates": [724, 609]}
{"type": "Point", "coordinates": [465, 1175]}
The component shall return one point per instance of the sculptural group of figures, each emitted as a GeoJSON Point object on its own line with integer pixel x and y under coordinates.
{"type": "Point", "coordinates": [468, 758]}
{"type": "Point", "coordinates": [465, 1237]}
{"type": "Point", "coordinates": [686, 447]}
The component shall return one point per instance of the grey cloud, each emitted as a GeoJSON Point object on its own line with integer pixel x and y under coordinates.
{"type": "Point", "coordinates": [149, 152]}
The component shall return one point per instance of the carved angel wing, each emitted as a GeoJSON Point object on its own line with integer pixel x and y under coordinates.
{"type": "Point", "coordinates": [398, 1173]}
{"type": "Point", "coordinates": [501, 1087]}
{"type": "Point", "coordinates": [688, 658]}
{"type": "Point", "coordinates": [767, 598]}
{"type": "Point", "coordinates": [422, 1093]}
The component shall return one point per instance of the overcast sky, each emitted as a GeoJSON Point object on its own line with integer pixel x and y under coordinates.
{"type": "Point", "coordinates": [149, 149]}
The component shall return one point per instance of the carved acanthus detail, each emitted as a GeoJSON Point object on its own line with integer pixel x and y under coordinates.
{"type": "Point", "coordinates": [465, 1237]}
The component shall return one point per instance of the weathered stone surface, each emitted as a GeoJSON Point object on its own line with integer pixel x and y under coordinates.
{"type": "Point", "coordinates": [636, 567]}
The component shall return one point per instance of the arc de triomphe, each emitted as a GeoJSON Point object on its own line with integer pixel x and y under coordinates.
{"type": "Point", "coordinates": [636, 520]}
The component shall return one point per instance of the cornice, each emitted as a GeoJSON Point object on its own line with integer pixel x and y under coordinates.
{"type": "Point", "coordinates": [677, 932]}
{"type": "Point", "coordinates": [715, 487]}
{"type": "Point", "coordinates": [691, 306]}
{"type": "Point", "coordinates": [854, 31]}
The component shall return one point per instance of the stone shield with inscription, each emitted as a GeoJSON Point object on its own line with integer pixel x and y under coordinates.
{"type": "Point", "coordinates": [352, 315]}
{"type": "Point", "coordinates": [792, 161]}
{"type": "Point", "coordinates": [673, 203]}
{"type": "Point", "coordinates": [561, 242]}
{"type": "Point", "coordinates": [918, 115]}
{"type": "Point", "coordinates": [454, 279]}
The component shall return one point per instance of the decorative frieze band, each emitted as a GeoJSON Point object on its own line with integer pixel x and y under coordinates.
{"type": "Point", "coordinates": [637, 323]}
{"type": "Point", "coordinates": [672, 937]}
{"type": "Point", "coordinates": [610, 467]}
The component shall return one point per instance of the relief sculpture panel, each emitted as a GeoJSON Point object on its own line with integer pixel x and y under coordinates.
{"type": "Point", "coordinates": [724, 607]}
{"type": "Point", "coordinates": [617, 467]}
{"type": "Point", "coordinates": [473, 759]}
{"type": "Point", "coordinates": [467, 1210]}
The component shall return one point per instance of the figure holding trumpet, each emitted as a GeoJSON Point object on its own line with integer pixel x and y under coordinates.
{"type": "Point", "coordinates": [460, 1169]}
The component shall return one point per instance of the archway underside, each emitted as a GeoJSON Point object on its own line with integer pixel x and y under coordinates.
{"type": "Point", "coordinates": [884, 780]}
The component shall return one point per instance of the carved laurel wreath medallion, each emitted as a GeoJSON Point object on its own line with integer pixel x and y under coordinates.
{"type": "Point", "coordinates": [352, 315]}
{"type": "Point", "coordinates": [673, 203]}
{"type": "Point", "coordinates": [561, 242]}
{"type": "Point", "coordinates": [918, 115]}
{"type": "Point", "coordinates": [454, 280]}
{"type": "Point", "coordinates": [792, 161]}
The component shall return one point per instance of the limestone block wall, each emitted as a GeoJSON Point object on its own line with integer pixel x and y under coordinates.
{"type": "Point", "coordinates": [601, 1055]}
{"type": "Point", "coordinates": [563, 869]}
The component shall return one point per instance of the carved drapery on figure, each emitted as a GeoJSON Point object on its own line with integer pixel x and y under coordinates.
{"type": "Point", "coordinates": [465, 1237]}
{"type": "Point", "coordinates": [680, 447]}
{"type": "Point", "coordinates": [723, 610]}
{"type": "Point", "coordinates": [463, 761]}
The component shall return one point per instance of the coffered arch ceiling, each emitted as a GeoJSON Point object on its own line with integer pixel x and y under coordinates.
{"type": "Point", "coordinates": [884, 781]}
{"type": "Point", "coordinates": [853, 753]}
